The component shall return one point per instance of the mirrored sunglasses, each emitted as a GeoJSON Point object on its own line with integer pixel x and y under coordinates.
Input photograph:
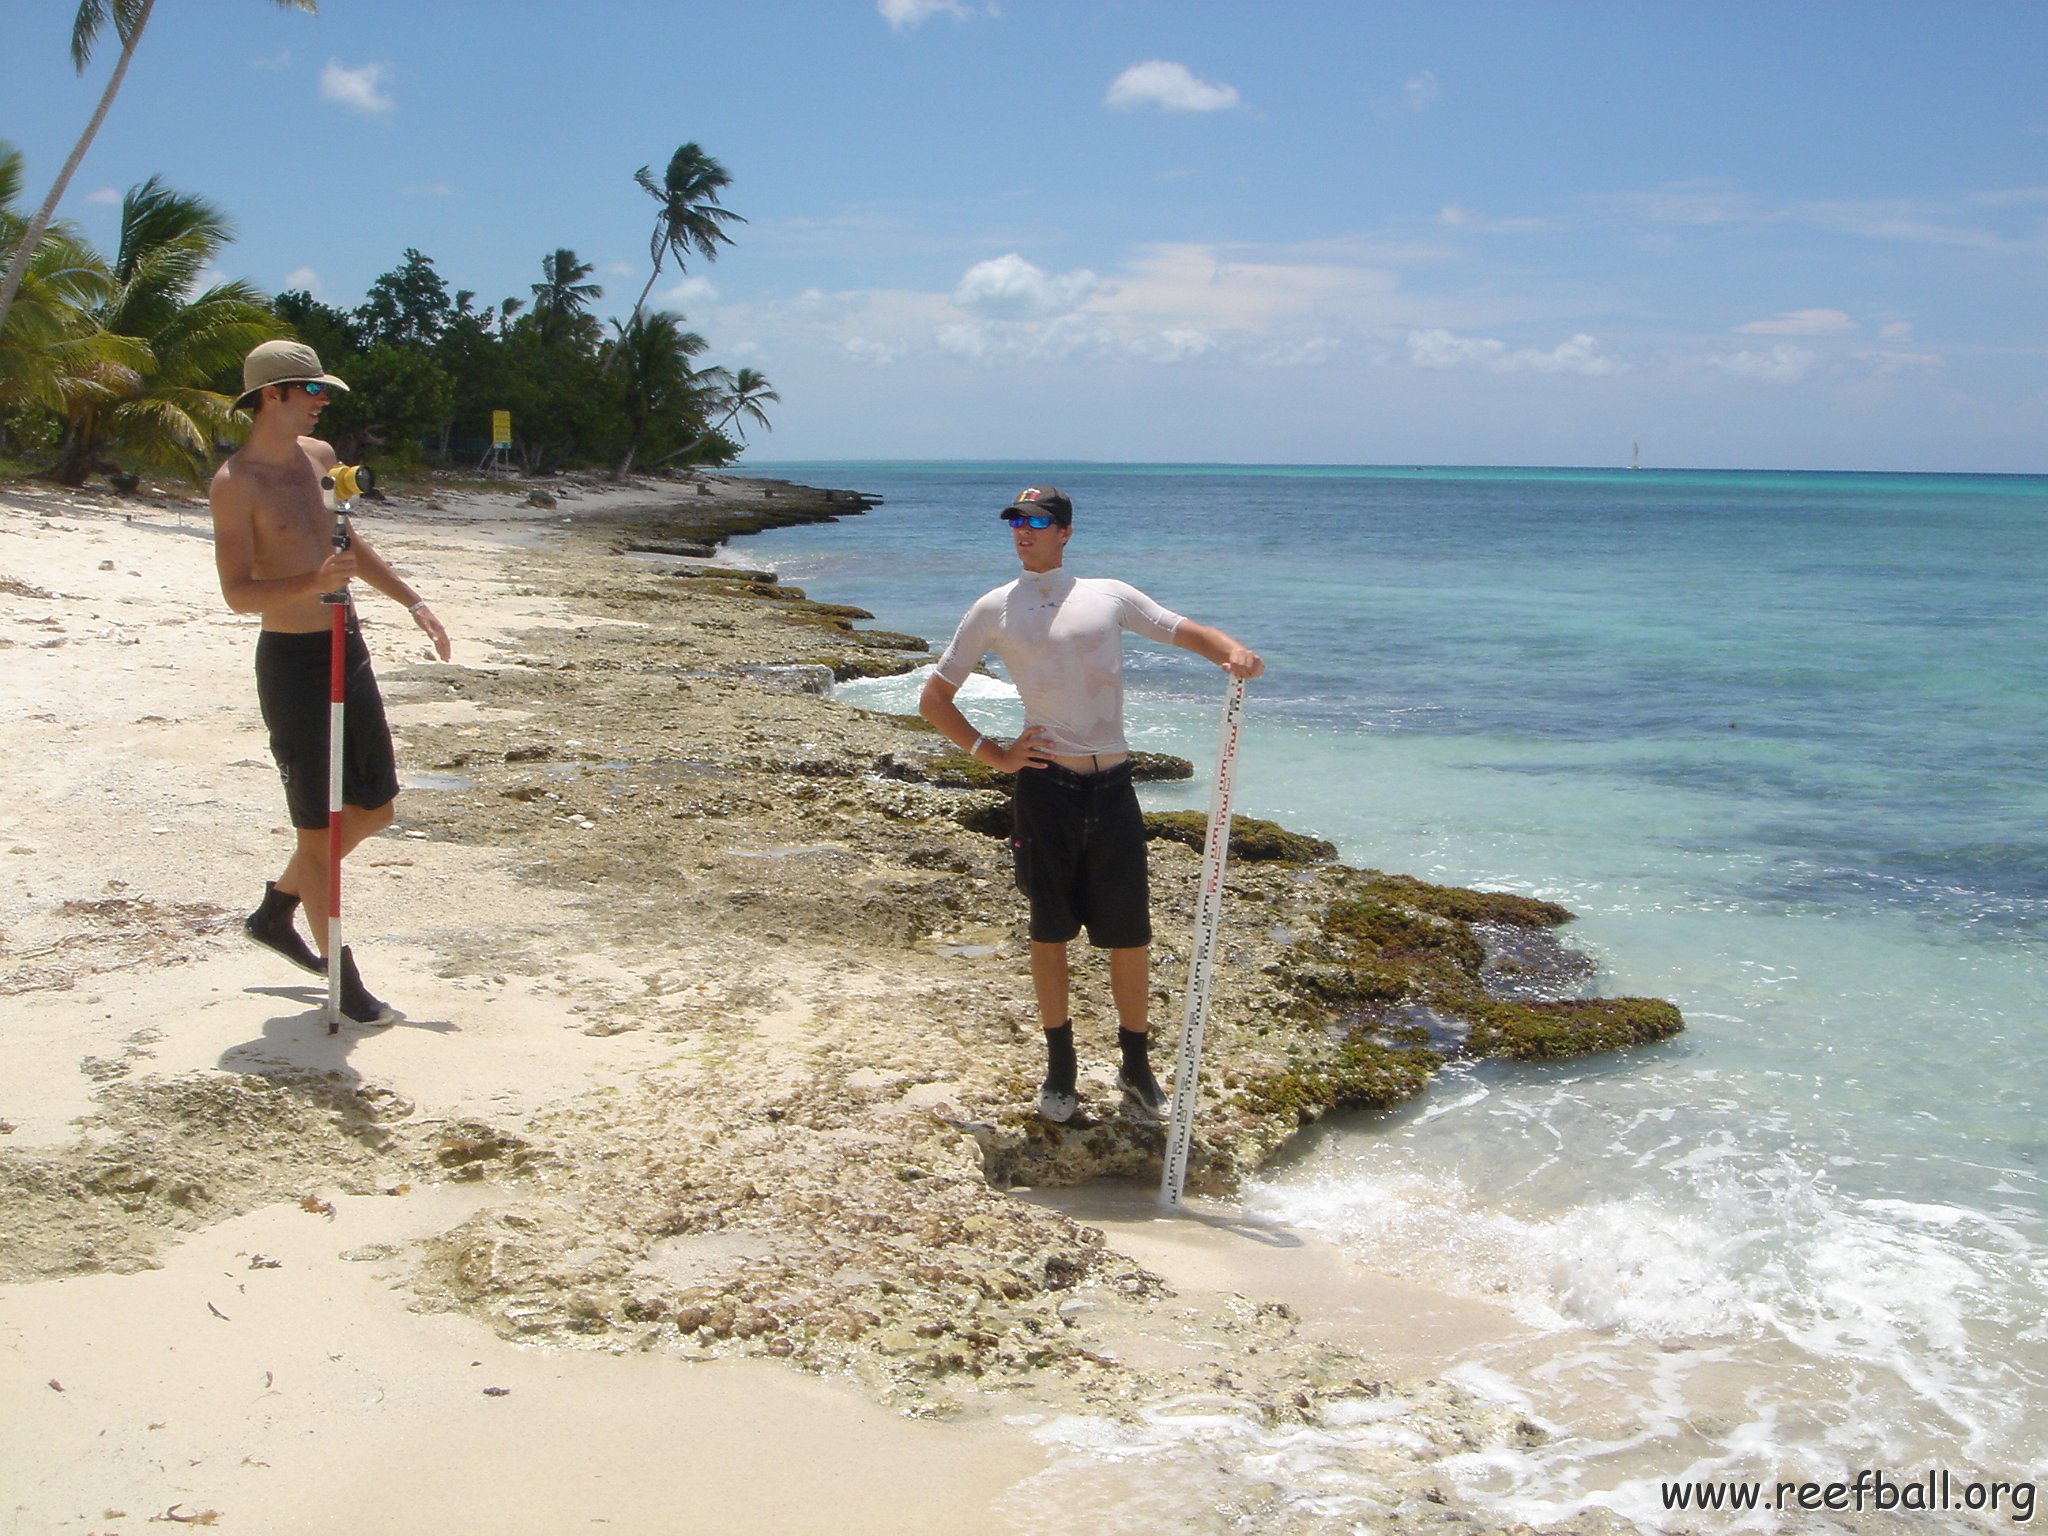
{"type": "Point", "coordinates": [1020, 520]}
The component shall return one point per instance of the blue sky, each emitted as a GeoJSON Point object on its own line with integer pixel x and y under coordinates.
{"type": "Point", "coordinates": [1767, 235]}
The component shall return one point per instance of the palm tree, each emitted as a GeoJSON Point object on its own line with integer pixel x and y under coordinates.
{"type": "Point", "coordinates": [562, 299]}
{"type": "Point", "coordinates": [741, 395]}
{"type": "Point", "coordinates": [660, 385]}
{"type": "Point", "coordinates": [51, 334]}
{"type": "Point", "coordinates": [690, 218]}
{"type": "Point", "coordinates": [129, 18]}
{"type": "Point", "coordinates": [158, 404]}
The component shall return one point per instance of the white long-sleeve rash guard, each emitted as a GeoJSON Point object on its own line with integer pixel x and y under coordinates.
{"type": "Point", "coordinates": [1060, 637]}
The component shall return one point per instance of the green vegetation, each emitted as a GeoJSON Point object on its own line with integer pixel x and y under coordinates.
{"type": "Point", "coordinates": [123, 366]}
{"type": "Point", "coordinates": [1360, 1073]}
{"type": "Point", "coordinates": [1251, 838]}
{"type": "Point", "coordinates": [22, 245]}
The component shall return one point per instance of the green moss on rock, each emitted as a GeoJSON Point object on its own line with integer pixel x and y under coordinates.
{"type": "Point", "coordinates": [1361, 1073]}
{"type": "Point", "coordinates": [1159, 767]}
{"type": "Point", "coordinates": [1575, 1027]}
{"type": "Point", "coordinates": [1251, 839]}
{"type": "Point", "coordinates": [1379, 932]}
{"type": "Point", "coordinates": [954, 769]}
{"type": "Point", "coordinates": [1467, 906]}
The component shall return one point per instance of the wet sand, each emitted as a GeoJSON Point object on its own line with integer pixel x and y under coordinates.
{"type": "Point", "coordinates": [698, 1186]}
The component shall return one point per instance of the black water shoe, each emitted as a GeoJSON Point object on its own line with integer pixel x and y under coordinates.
{"type": "Point", "coordinates": [1141, 1088]}
{"type": "Point", "coordinates": [356, 1000]}
{"type": "Point", "coordinates": [1056, 1100]}
{"type": "Point", "coordinates": [271, 926]}
{"type": "Point", "coordinates": [1142, 1091]}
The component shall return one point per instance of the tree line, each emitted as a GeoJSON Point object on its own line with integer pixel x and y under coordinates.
{"type": "Point", "coordinates": [123, 364]}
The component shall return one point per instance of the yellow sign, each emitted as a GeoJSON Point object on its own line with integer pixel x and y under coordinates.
{"type": "Point", "coordinates": [501, 429]}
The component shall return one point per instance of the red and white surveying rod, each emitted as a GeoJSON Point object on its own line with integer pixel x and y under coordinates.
{"type": "Point", "coordinates": [339, 485]}
{"type": "Point", "coordinates": [1208, 919]}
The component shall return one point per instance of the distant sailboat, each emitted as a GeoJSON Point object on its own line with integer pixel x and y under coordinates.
{"type": "Point", "coordinates": [1635, 455]}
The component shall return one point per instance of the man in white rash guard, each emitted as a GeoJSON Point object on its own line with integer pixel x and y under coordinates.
{"type": "Point", "coordinates": [1080, 839]}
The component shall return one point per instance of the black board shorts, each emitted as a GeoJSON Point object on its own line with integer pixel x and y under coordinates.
{"type": "Point", "coordinates": [1080, 851]}
{"type": "Point", "coordinates": [291, 686]}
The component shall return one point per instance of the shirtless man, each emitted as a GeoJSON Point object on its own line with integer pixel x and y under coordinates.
{"type": "Point", "coordinates": [273, 546]}
{"type": "Point", "coordinates": [1080, 838]}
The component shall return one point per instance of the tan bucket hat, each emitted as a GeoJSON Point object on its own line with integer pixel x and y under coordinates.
{"type": "Point", "coordinates": [281, 362]}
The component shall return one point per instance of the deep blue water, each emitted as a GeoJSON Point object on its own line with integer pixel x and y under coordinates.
{"type": "Point", "coordinates": [1778, 739]}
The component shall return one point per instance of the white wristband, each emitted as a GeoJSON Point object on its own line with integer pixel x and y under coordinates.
{"type": "Point", "coordinates": [414, 610]}
{"type": "Point", "coordinates": [980, 741]}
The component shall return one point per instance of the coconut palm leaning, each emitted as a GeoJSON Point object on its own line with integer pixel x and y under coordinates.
{"type": "Point", "coordinates": [740, 395]}
{"type": "Point", "coordinates": [661, 387]}
{"type": "Point", "coordinates": [129, 18]}
{"type": "Point", "coordinates": [690, 218]}
{"type": "Point", "coordinates": [157, 405]}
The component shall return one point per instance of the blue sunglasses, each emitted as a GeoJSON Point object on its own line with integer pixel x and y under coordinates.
{"type": "Point", "coordinates": [312, 387]}
{"type": "Point", "coordinates": [1020, 520]}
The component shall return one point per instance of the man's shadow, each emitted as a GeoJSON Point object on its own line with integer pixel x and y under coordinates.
{"type": "Point", "coordinates": [297, 1043]}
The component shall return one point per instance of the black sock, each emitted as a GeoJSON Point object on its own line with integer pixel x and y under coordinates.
{"type": "Point", "coordinates": [276, 903]}
{"type": "Point", "coordinates": [1136, 1046]}
{"type": "Point", "coordinates": [1061, 1067]}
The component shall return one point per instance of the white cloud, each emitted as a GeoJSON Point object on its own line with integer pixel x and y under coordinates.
{"type": "Point", "coordinates": [1001, 341]}
{"type": "Point", "coordinates": [874, 354]}
{"type": "Point", "coordinates": [1684, 203]}
{"type": "Point", "coordinates": [1902, 223]}
{"type": "Point", "coordinates": [430, 189]}
{"type": "Point", "coordinates": [1011, 288]}
{"type": "Point", "coordinates": [1889, 364]}
{"type": "Point", "coordinates": [1800, 322]}
{"type": "Point", "coordinates": [1179, 345]}
{"type": "Point", "coordinates": [1420, 92]}
{"type": "Point", "coordinates": [1579, 355]}
{"type": "Point", "coordinates": [302, 279]}
{"type": "Point", "coordinates": [1783, 364]}
{"type": "Point", "coordinates": [1466, 218]}
{"type": "Point", "coordinates": [1438, 348]}
{"type": "Point", "coordinates": [1896, 330]}
{"type": "Point", "coordinates": [1270, 295]}
{"type": "Point", "coordinates": [1170, 306]}
{"type": "Point", "coordinates": [691, 290]}
{"type": "Point", "coordinates": [1949, 226]}
{"type": "Point", "coordinates": [1309, 352]}
{"type": "Point", "coordinates": [908, 13]}
{"type": "Point", "coordinates": [360, 89]}
{"type": "Point", "coordinates": [280, 60]}
{"type": "Point", "coordinates": [105, 196]}
{"type": "Point", "coordinates": [1169, 86]}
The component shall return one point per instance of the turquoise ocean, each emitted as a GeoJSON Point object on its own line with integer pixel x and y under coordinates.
{"type": "Point", "coordinates": [1778, 739]}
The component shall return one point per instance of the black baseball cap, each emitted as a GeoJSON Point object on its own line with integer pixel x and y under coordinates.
{"type": "Point", "coordinates": [1046, 501]}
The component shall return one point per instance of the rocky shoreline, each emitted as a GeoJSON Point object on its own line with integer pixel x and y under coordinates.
{"type": "Point", "coordinates": [804, 932]}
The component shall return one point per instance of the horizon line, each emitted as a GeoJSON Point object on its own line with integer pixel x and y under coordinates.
{"type": "Point", "coordinates": [1394, 467]}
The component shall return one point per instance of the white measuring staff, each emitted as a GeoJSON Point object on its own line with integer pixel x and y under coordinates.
{"type": "Point", "coordinates": [1208, 919]}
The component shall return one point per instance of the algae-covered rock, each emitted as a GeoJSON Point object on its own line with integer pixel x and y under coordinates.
{"type": "Point", "coordinates": [1548, 1031]}
{"type": "Point", "coordinates": [1251, 838]}
{"type": "Point", "coordinates": [1392, 942]}
{"type": "Point", "coordinates": [1360, 1073]}
{"type": "Point", "coordinates": [1467, 906]}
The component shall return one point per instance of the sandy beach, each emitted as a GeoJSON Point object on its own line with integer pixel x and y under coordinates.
{"type": "Point", "coordinates": [697, 1186]}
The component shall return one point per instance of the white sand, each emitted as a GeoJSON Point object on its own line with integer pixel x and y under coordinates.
{"type": "Point", "coordinates": [297, 1391]}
